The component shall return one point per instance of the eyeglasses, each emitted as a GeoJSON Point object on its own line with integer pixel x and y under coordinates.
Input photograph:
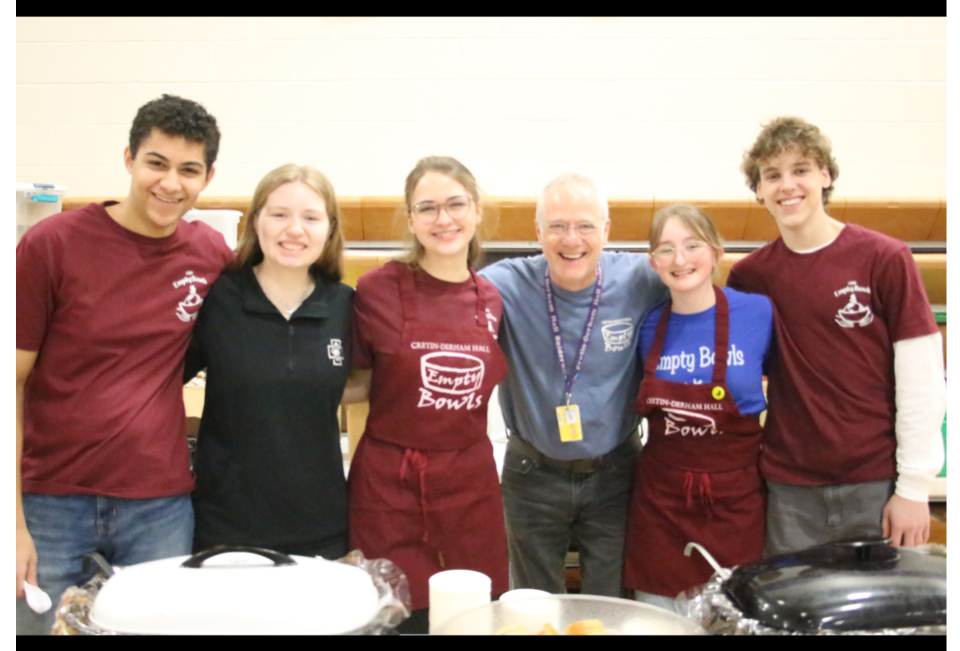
{"type": "Point", "coordinates": [427, 212]}
{"type": "Point", "coordinates": [690, 250]}
{"type": "Point", "coordinates": [557, 230]}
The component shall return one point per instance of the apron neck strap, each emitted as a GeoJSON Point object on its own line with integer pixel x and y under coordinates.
{"type": "Point", "coordinates": [408, 293]}
{"type": "Point", "coordinates": [720, 344]}
{"type": "Point", "coordinates": [721, 337]}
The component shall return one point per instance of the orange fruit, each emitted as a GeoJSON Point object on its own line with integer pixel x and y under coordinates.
{"type": "Point", "coordinates": [585, 627]}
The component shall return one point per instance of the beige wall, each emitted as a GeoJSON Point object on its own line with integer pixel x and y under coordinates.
{"type": "Point", "coordinates": [650, 106]}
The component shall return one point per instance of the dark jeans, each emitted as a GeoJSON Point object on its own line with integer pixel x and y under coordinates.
{"type": "Point", "coordinates": [547, 508]}
{"type": "Point", "coordinates": [126, 532]}
{"type": "Point", "coordinates": [804, 516]}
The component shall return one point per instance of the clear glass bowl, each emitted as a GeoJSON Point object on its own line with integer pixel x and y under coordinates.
{"type": "Point", "coordinates": [619, 617]}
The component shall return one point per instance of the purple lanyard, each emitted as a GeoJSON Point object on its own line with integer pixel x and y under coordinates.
{"type": "Point", "coordinates": [587, 329]}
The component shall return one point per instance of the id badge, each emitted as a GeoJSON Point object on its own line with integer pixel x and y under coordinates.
{"type": "Point", "coordinates": [568, 418]}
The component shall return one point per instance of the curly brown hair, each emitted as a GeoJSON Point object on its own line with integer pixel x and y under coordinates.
{"type": "Point", "coordinates": [790, 134]}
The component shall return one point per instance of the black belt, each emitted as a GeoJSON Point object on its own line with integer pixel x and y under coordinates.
{"type": "Point", "coordinates": [572, 465]}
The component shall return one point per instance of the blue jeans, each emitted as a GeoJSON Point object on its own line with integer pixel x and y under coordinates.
{"type": "Point", "coordinates": [547, 508]}
{"type": "Point", "coordinates": [125, 531]}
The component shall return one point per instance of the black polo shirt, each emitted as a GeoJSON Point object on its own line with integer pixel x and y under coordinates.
{"type": "Point", "coordinates": [268, 462]}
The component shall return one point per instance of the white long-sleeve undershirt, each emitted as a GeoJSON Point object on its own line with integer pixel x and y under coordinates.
{"type": "Point", "coordinates": [921, 399]}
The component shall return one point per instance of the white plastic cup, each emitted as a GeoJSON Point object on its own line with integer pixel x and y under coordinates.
{"type": "Point", "coordinates": [455, 591]}
{"type": "Point", "coordinates": [531, 609]}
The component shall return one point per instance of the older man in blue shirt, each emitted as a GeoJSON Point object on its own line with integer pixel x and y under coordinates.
{"type": "Point", "coordinates": [569, 331]}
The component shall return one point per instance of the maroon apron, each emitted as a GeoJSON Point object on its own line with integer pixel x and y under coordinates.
{"type": "Point", "coordinates": [424, 490]}
{"type": "Point", "coordinates": [697, 479]}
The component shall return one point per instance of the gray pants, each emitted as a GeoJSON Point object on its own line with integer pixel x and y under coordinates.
{"type": "Point", "coordinates": [804, 516]}
{"type": "Point", "coordinates": [546, 508]}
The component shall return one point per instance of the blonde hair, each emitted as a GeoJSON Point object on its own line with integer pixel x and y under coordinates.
{"type": "Point", "coordinates": [795, 135]}
{"type": "Point", "coordinates": [695, 220]}
{"type": "Point", "coordinates": [451, 167]}
{"type": "Point", "coordinates": [329, 266]}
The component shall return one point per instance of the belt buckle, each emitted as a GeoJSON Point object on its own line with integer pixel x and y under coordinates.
{"type": "Point", "coordinates": [583, 466]}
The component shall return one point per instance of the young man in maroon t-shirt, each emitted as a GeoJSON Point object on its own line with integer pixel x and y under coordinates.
{"type": "Point", "coordinates": [106, 297]}
{"type": "Point", "coordinates": [856, 388]}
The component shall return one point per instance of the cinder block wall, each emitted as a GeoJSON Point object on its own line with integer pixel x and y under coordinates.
{"type": "Point", "coordinates": [650, 106]}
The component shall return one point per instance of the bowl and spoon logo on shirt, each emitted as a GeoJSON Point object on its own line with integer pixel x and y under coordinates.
{"type": "Point", "coordinates": [189, 307]}
{"type": "Point", "coordinates": [853, 313]}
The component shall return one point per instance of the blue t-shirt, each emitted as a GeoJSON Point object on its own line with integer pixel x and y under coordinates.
{"type": "Point", "coordinates": [687, 355]}
{"type": "Point", "coordinates": [610, 377]}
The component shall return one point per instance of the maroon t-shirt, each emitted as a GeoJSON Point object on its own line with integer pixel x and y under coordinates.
{"type": "Point", "coordinates": [110, 312]}
{"type": "Point", "coordinates": [831, 389]}
{"type": "Point", "coordinates": [378, 316]}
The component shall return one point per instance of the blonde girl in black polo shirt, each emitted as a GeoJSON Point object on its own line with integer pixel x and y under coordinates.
{"type": "Point", "coordinates": [274, 335]}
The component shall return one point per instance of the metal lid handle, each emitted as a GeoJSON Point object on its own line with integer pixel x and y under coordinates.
{"type": "Point", "coordinates": [722, 571]}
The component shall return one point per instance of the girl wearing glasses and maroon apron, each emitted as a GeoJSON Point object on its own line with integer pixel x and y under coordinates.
{"type": "Point", "coordinates": [423, 482]}
{"type": "Point", "coordinates": [697, 479]}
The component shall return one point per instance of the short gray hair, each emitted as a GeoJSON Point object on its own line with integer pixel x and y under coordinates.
{"type": "Point", "coordinates": [574, 179]}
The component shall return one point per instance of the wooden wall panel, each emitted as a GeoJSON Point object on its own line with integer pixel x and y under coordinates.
{"type": "Point", "coordinates": [355, 266]}
{"type": "Point", "coordinates": [938, 233]}
{"type": "Point", "coordinates": [943, 331]}
{"type": "Point", "coordinates": [760, 226]}
{"type": "Point", "coordinates": [356, 422]}
{"type": "Point", "coordinates": [512, 218]}
{"type": "Point", "coordinates": [723, 269]}
{"type": "Point", "coordinates": [382, 218]}
{"type": "Point", "coordinates": [933, 271]}
{"type": "Point", "coordinates": [515, 217]}
{"type": "Point", "coordinates": [351, 220]}
{"type": "Point", "coordinates": [909, 220]}
{"type": "Point", "coordinates": [630, 219]}
{"type": "Point", "coordinates": [730, 215]}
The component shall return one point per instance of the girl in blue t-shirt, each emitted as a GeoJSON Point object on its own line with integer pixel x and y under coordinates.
{"type": "Point", "coordinates": [697, 480]}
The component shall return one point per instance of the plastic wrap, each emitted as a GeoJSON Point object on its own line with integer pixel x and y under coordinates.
{"type": "Point", "coordinates": [393, 588]}
{"type": "Point", "coordinates": [710, 607]}
{"type": "Point", "coordinates": [394, 605]}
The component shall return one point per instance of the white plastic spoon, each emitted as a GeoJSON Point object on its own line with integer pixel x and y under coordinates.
{"type": "Point", "coordinates": [38, 600]}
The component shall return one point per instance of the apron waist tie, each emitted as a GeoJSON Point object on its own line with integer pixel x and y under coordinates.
{"type": "Point", "coordinates": [705, 489]}
{"type": "Point", "coordinates": [417, 461]}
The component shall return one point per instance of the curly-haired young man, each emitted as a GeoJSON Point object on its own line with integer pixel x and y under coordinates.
{"type": "Point", "coordinates": [856, 390]}
{"type": "Point", "coordinates": [106, 297]}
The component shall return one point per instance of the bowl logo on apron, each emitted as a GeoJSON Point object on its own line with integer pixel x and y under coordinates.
{"type": "Point", "coordinates": [458, 377]}
{"type": "Point", "coordinates": [688, 423]}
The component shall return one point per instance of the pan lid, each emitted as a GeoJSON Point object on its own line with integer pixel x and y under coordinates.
{"type": "Point", "coordinates": [236, 590]}
{"type": "Point", "coordinates": [850, 585]}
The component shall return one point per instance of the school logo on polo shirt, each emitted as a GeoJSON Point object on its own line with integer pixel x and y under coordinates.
{"type": "Point", "coordinates": [189, 307]}
{"type": "Point", "coordinates": [854, 313]}
{"type": "Point", "coordinates": [335, 352]}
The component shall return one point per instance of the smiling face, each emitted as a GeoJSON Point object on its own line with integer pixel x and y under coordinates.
{"type": "Point", "coordinates": [791, 188]}
{"type": "Point", "coordinates": [167, 176]}
{"type": "Point", "coordinates": [572, 233]}
{"type": "Point", "coordinates": [293, 226]}
{"type": "Point", "coordinates": [442, 236]}
{"type": "Point", "coordinates": [684, 260]}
